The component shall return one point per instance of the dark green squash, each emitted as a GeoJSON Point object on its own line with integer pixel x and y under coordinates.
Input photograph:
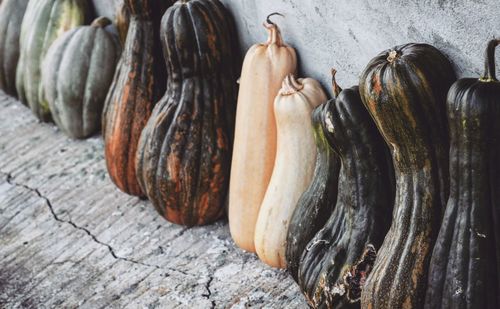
{"type": "Point", "coordinates": [404, 89]}
{"type": "Point", "coordinates": [318, 201]}
{"type": "Point", "coordinates": [183, 159]}
{"type": "Point", "coordinates": [11, 17]}
{"type": "Point", "coordinates": [338, 259]}
{"type": "Point", "coordinates": [465, 265]}
{"type": "Point", "coordinates": [43, 23]}
{"type": "Point", "coordinates": [122, 22]}
{"type": "Point", "coordinates": [137, 83]}
{"type": "Point", "coordinates": [76, 74]}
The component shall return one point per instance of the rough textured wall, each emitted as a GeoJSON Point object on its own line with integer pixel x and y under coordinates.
{"type": "Point", "coordinates": [346, 34]}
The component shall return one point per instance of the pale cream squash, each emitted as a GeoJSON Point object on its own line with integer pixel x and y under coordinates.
{"type": "Point", "coordinates": [293, 168]}
{"type": "Point", "coordinates": [264, 68]}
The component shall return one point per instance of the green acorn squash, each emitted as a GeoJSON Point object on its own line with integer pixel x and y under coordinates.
{"type": "Point", "coordinates": [404, 89]}
{"type": "Point", "coordinates": [43, 23]}
{"type": "Point", "coordinates": [465, 264]}
{"type": "Point", "coordinates": [11, 17]}
{"type": "Point", "coordinates": [76, 74]}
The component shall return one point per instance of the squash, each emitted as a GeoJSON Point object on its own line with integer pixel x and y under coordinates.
{"type": "Point", "coordinates": [11, 17]}
{"type": "Point", "coordinates": [465, 264]}
{"type": "Point", "coordinates": [183, 159]}
{"type": "Point", "coordinates": [264, 68]}
{"type": "Point", "coordinates": [122, 21]}
{"type": "Point", "coordinates": [336, 262]}
{"type": "Point", "coordinates": [404, 89]}
{"type": "Point", "coordinates": [318, 201]}
{"type": "Point", "coordinates": [130, 98]}
{"type": "Point", "coordinates": [293, 167]}
{"type": "Point", "coordinates": [43, 23]}
{"type": "Point", "coordinates": [76, 74]}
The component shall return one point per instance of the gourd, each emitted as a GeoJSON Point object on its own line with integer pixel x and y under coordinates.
{"type": "Point", "coordinates": [293, 167]}
{"type": "Point", "coordinates": [76, 74]}
{"type": "Point", "coordinates": [183, 159]}
{"type": "Point", "coordinates": [465, 264]}
{"type": "Point", "coordinates": [318, 201]}
{"type": "Point", "coordinates": [404, 89]}
{"type": "Point", "coordinates": [131, 97]}
{"type": "Point", "coordinates": [11, 17]}
{"type": "Point", "coordinates": [264, 68]}
{"type": "Point", "coordinates": [122, 22]}
{"type": "Point", "coordinates": [43, 22]}
{"type": "Point", "coordinates": [336, 262]}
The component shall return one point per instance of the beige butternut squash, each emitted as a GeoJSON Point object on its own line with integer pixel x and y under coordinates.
{"type": "Point", "coordinates": [264, 68]}
{"type": "Point", "coordinates": [293, 167]}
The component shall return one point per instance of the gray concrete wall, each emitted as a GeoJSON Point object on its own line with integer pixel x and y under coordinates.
{"type": "Point", "coordinates": [346, 34]}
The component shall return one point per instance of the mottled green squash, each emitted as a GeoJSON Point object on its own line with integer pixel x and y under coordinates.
{"type": "Point", "coordinates": [404, 89]}
{"type": "Point", "coordinates": [336, 262]}
{"type": "Point", "coordinates": [465, 265]}
{"type": "Point", "coordinates": [318, 201]}
{"type": "Point", "coordinates": [11, 17]}
{"type": "Point", "coordinates": [76, 74]}
{"type": "Point", "coordinates": [183, 158]}
{"type": "Point", "coordinates": [43, 23]}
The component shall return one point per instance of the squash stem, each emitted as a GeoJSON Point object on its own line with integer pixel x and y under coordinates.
{"type": "Point", "coordinates": [336, 88]}
{"type": "Point", "coordinates": [274, 31]}
{"type": "Point", "coordinates": [489, 64]}
{"type": "Point", "coordinates": [290, 85]}
{"type": "Point", "coordinates": [101, 22]}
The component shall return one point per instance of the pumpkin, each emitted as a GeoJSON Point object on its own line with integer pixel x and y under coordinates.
{"type": "Point", "coordinates": [465, 265]}
{"type": "Point", "coordinates": [43, 23]}
{"type": "Point", "coordinates": [336, 262]}
{"type": "Point", "coordinates": [404, 89]}
{"type": "Point", "coordinates": [318, 201]}
{"type": "Point", "coordinates": [264, 68]}
{"type": "Point", "coordinates": [76, 75]}
{"type": "Point", "coordinates": [293, 167]}
{"type": "Point", "coordinates": [122, 22]}
{"type": "Point", "coordinates": [11, 17]}
{"type": "Point", "coordinates": [183, 159]}
{"type": "Point", "coordinates": [130, 98]}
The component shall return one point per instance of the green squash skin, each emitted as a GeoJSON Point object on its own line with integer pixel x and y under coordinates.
{"type": "Point", "coordinates": [11, 17]}
{"type": "Point", "coordinates": [76, 74]}
{"type": "Point", "coordinates": [184, 153]}
{"type": "Point", "coordinates": [341, 254]}
{"type": "Point", "coordinates": [465, 264]}
{"type": "Point", "coordinates": [404, 89]}
{"type": "Point", "coordinates": [44, 21]}
{"type": "Point", "coordinates": [318, 201]}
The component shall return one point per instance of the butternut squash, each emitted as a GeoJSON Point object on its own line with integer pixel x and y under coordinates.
{"type": "Point", "coordinates": [264, 68]}
{"type": "Point", "coordinates": [293, 168]}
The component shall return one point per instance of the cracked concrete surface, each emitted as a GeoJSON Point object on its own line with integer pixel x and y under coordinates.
{"type": "Point", "coordinates": [69, 238]}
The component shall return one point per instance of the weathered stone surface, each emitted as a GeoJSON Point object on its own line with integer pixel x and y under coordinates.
{"type": "Point", "coordinates": [69, 238]}
{"type": "Point", "coordinates": [346, 34]}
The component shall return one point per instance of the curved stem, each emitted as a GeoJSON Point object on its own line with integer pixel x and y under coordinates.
{"type": "Point", "coordinates": [268, 20]}
{"type": "Point", "coordinates": [290, 85]}
{"type": "Point", "coordinates": [336, 88]}
{"type": "Point", "coordinates": [393, 55]}
{"type": "Point", "coordinates": [101, 22]}
{"type": "Point", "coordinates": [489, 63]}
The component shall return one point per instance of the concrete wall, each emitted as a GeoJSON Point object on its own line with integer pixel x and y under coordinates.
{"type": "Point", "coordinates": [346, 34]}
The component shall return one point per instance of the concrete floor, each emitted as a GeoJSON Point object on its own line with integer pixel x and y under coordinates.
{"type": "Point", "coordinates": [69, 238]}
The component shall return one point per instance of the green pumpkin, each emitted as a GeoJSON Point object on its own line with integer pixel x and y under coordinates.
{"type": "Point", "coordinates": [43, 23]}
{"type": "Point", "coordinates": [76, 74]}
{"type": "Point", "coordinates": [11, 17]}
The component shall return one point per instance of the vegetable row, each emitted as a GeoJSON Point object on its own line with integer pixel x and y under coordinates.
{"type": "Point", "coordinates": [384, 196]}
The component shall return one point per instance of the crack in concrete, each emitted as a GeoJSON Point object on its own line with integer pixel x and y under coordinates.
{"type": "Point", "coordinates": [209, 292]}
{"type": "Point", "coordinates": [10, 180]}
